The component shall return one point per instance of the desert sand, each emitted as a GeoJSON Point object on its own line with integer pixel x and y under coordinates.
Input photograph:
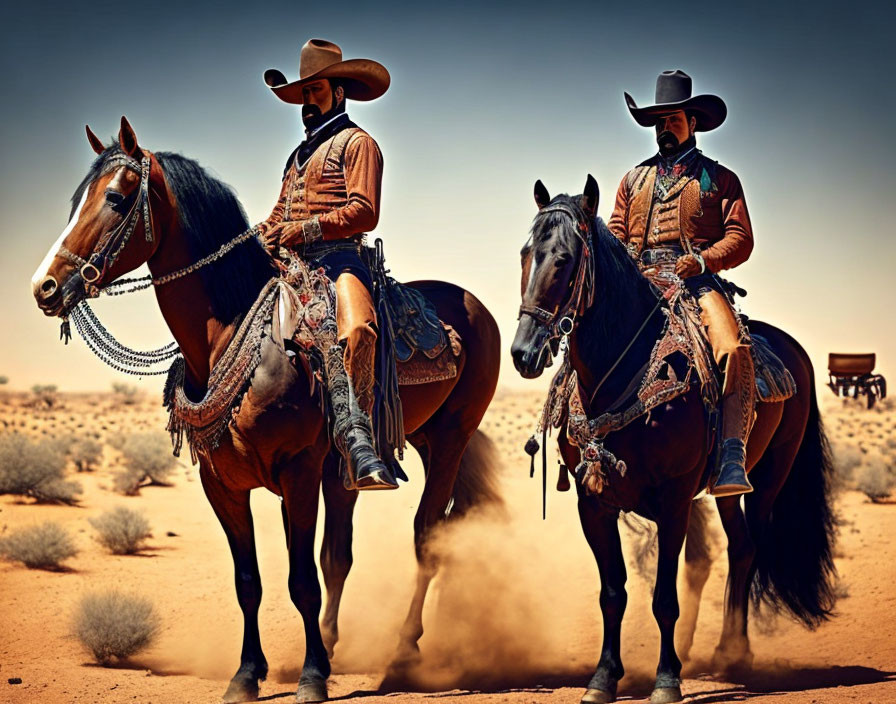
{"type": "Point", "coordinates": [513, 617]}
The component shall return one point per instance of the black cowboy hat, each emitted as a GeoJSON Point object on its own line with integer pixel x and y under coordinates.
{"type": "Point", "coordinates": [362, 79]}
{"type": "Point", "coordinates": [673, 92]}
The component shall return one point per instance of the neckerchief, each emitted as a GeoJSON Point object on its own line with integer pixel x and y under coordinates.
{"type": "Point", "coordinates": [682, 164]}
{"type": "Point", "coordinates": [303, 152]}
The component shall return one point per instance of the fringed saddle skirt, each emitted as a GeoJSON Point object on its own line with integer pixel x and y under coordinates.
{"type": "Point", "coordinates": [299, 307]}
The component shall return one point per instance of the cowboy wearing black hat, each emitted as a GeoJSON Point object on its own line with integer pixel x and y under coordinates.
{"type": "Point", "coordinates": [329, 199]}
{"type": "Point", "coordinates": [684, 210]}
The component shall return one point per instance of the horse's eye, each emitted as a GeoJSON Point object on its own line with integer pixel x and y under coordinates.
{"type": "Point", "coordinates": [113, 197]}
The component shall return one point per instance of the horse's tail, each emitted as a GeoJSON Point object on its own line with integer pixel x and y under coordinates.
{"type": "Point", "coordinates": [795, 567]}
{"type": "Point", "coordinates": [477, 477]}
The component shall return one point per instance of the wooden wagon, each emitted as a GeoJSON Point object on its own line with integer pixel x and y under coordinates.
{"type": "Point", "coordinates": [852, 376]}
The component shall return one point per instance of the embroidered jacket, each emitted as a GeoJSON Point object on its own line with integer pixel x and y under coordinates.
{"type": "Point", "coordinates": [704, 204]}
{"type": "Point", "coordinates": [335, 194]}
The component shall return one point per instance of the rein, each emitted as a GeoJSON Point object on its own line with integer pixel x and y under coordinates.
{"type": "Point", "coordinates": [109, 247]}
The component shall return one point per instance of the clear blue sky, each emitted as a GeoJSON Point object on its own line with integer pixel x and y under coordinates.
{"type": "Point", "coordinates": [484, 100]}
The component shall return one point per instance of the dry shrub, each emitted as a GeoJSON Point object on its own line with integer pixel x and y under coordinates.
{"type": "Point", "coordinates": [125, 393]}
{"type": "Point", "coordinates": [34, 469]}
{"type": "Point", "coordinates": [113, 625]}
{"type": "Point", "coordinates": [45, 396]}
{"type": "Point", "coordinates": [147, 456]}
{"type": "Point", "coordinates": [86, 454]}
{"type": "Point", "coordinates": [875, 478]}
{"type": "Point", "coordinates": [121, 530]}
{"type": "Point", "coordinates": [43, 546]}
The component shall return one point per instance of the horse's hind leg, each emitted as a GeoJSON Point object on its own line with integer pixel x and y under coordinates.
{"type": "Point", "coordinates": [300, 485]}
{"type": "Point", "coordinates": [601, 528]}
{"type": "Point", "coordinates": [336, 549]}
{"type": "Point", "coordinates": [232, 510]}
{"type": "Point", "coordinates": [700, 551]}
{"type": "Point", "coordinates": [441, 453]}
{"type": "Point", "coordinates": [733, 649]}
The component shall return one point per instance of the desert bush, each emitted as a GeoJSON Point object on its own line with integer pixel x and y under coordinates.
{"type": "Point", "coordinates": [121, 530]}
{"type": "Point", "coordinates": [86, 454]}
{"type": "Point", "coordinates": [34, 469]}
{"type": "Point", "coordinates": [4, 380]}
{"type": "Point", "coordinates": [847, 457]}
{"type": "Point", "coordinates": [43, 546]}
{"type": "Point", "coordinates": [875, 478]}
{"type": "Point", "coordinates": [125, 393]}
{"type": "Point", "coordinates": [45, 395]}
{"type": "Point", "coordinates": [147, 455]}
{"type": "Point", "coordinates": [112, 625]}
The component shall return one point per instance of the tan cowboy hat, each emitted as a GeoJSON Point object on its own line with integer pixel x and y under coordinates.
{"type": "Point", "coordinates": [362, 79]}
{"type": "Point", "coordinates": [673, 92]}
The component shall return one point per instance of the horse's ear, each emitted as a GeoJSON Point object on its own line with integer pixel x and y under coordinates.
{"type": "Point", "coordinates": [95, 142]}
{"type": "Point", "coordinates": [591, 196]}
{"type": "Point", "coordinates": [127, 138]}
{"type": "Point", "coordinates": [542, 197]}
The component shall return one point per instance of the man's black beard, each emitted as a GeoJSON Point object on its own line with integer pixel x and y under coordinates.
{"type": "Point", "coordinates": [669, 145]}
{"type": "Point", "coordinates": [312, 117]}
{"type": "Point", "coordinates": [667, 142]}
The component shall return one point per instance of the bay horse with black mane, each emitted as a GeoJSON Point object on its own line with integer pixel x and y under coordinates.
{"type": "Point", "coordinates": [779, 544]}
{"type": "Point", "coordinates": [162, 209]}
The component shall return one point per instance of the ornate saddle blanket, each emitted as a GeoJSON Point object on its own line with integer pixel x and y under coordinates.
{"type": "Point", "coordinates": [425, 347]}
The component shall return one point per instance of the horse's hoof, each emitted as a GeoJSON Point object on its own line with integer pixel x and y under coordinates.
{"type": "Point", "coordinates": [239, 692]}
{"type": "Point", "coordinates": [665, 695]}
{"type": "Point", "coordinates": [732, 660]}
{"type": "Point", "coordinates": [311, 692]}
{"type": "Point", "coordinates": [598, 696]}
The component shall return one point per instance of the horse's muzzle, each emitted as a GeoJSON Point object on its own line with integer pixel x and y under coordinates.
{"type": "Point", "coordinates": [55, 299]}
{"type": "Point", "coordinates": [530, 349]}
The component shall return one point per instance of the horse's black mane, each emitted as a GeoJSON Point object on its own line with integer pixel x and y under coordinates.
{"type": "Point", "coordinates": [618, 283]}
{"type": "Point", "coordinates": [210, 215]}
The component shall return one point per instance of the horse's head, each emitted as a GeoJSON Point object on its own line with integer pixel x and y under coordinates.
{"type": "Point", "coordinates": [557, 278]}
{"type": "Point", "coordinates": [107, 235]}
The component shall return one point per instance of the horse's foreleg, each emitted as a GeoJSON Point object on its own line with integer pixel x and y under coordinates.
{"type": "Point", "coordinates": [300, 484]}
{"type": "Point", "coordinates": [601, 528]}
{"type": "Point", "coordinates": [671, 532]}
{"type": "Point", "coordinates": [734, 646]}
{"type": "Point", "coordinates": [232, 510]}
{"type": "Point", "coordinates": [336, 549]}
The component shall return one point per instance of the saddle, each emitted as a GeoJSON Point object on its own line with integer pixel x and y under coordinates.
{"type": "Point", "coordinates": [681, 357]}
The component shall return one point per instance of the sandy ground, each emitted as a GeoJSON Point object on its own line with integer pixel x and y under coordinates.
{"type": "Point", "coordinates": [514, 618]}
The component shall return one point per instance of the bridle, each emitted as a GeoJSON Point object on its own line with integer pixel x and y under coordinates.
{"type": "Point", "coordinates": [110, 246]}
{"type": "Point", "coordinates": [561, 321]}
{"type": "Point", "coordinates": [104, 255]}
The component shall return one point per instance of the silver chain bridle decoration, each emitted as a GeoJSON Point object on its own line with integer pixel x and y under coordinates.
{"type": "Point", "coordinates": [100, 341]}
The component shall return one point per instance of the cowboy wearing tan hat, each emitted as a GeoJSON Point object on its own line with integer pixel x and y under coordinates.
{"type": "Point", "coordinates": [329, 199]}
{"type": "Point", "coordinates": [687, 212]}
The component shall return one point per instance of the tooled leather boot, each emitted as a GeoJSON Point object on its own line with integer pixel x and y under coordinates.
{"type": "Point", "coordinates": [352, 432]}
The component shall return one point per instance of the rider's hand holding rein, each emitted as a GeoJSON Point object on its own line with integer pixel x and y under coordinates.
{"type": "Point", "coordinates": [688, 265]}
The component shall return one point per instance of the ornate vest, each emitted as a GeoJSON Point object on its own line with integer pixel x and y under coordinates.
{"type": "Point", "coordinates": [656, 220]}
{"type": "Point", "coordinates": [318, 185]}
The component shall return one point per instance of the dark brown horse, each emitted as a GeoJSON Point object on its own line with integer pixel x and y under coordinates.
{"type": "Point", "coordinates": [278, 439]}
{"type": "Point", "coordinates": [779, 545]}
